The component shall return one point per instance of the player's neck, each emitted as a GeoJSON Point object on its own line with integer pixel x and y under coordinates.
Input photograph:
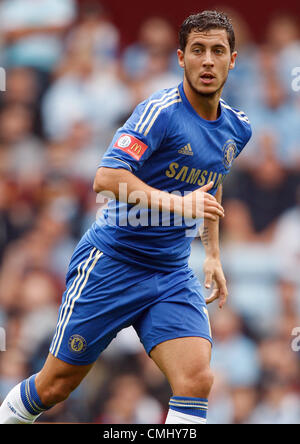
{"type": "Point", "coordinates": [206, 106]}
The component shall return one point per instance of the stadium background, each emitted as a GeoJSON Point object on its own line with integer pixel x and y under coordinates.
{"type": "Point", "coordinates": [74, 73]}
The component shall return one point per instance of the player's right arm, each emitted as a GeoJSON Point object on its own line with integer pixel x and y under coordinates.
{"type": "Point", "coordinates": [197, 204]}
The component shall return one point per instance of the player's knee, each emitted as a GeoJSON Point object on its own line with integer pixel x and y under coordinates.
{"type": "Point", "coordinates": [195, 383]}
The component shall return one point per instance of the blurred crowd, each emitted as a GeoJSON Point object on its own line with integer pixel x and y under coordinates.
{"type": "Point", "coordinates": [70, 83]}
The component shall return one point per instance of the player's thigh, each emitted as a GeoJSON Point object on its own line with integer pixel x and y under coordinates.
{"type": "Point", "coordinates": [57, 375]}
{"type": "Point", "coordinates": [102, 296]}
{"type": "Point", "coordinates": [183, 360]}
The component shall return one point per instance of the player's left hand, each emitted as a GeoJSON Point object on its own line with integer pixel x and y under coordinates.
{"type": "Point", "coordinates": [214, 276]}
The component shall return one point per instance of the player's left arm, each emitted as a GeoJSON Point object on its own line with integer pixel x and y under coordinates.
{"type": "Point", "coordinates": [212, 265]}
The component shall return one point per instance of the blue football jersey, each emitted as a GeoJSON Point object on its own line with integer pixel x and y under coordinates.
{"type": "Point", "coordinates": [170, 147]}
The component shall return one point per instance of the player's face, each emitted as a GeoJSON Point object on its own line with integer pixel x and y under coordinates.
{"type": "Point", "coordinates": [207, 60]}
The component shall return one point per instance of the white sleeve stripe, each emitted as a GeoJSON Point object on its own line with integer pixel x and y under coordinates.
{"type": "Point", "coordinates": [154, 107]}
{"type": "Point", "coordinates": [151, 102]}
{"type": "Point", "coordinates": [240, 114]}
{"type": "Point", "coordinates": [157, 114]}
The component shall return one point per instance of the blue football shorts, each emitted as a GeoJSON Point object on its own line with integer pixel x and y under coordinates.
{"type": "Point", "coordinates": [104, 295]}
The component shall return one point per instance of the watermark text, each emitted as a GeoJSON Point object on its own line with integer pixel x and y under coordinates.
{"type": "Point", "coordinates": [296, 341]}
{"type": "Point", "coordinates": [296, 78]}
{"type": "Point", "coordinates": [2, 339]}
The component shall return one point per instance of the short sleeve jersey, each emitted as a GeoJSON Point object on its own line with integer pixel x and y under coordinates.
{"type": "Point", "coordinates": [166, 144]}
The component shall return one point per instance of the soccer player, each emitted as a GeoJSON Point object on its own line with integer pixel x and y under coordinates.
{"type": "Point", "coordinates": [131, 267]}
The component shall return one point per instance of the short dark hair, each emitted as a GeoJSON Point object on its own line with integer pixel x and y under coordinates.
{"type": "Point", "coordinates": [204, 21]}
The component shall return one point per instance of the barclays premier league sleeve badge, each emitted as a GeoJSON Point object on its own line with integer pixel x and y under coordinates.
{"type": "Point", "coordinates": [131, 145]}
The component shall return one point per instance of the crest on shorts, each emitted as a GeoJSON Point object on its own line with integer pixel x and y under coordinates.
{"type": "Point", "coordinates": [229, 153]}
{"type": "Point", "coordinates": [77, 344]}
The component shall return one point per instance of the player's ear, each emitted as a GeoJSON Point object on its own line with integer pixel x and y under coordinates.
{"type": "Point", "coordinates": [232, 60]}
{"type": "Point", "coordinates": [180, 55]}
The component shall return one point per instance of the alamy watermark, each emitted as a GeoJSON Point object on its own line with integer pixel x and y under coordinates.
{"type": "Point", "coordinates": [2, 339]}
{"type": "Point", "coordinates": [296, 78]}
{"type": "Point", "coordinates": [2, 79]}
{"type": "Point", "coordinates": [161, 209]}
{"type": "Point", "coordinates": [296, 341]}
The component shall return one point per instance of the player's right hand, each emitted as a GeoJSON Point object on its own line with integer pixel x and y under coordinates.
{"type": "Point", "coordinates": [201, 204]}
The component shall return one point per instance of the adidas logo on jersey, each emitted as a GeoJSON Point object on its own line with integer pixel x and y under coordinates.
{"type": "Point", "coordinates": [187, 150]}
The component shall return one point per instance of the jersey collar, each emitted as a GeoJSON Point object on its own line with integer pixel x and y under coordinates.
{"type": "Point", "coordinates": [201, 121]}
